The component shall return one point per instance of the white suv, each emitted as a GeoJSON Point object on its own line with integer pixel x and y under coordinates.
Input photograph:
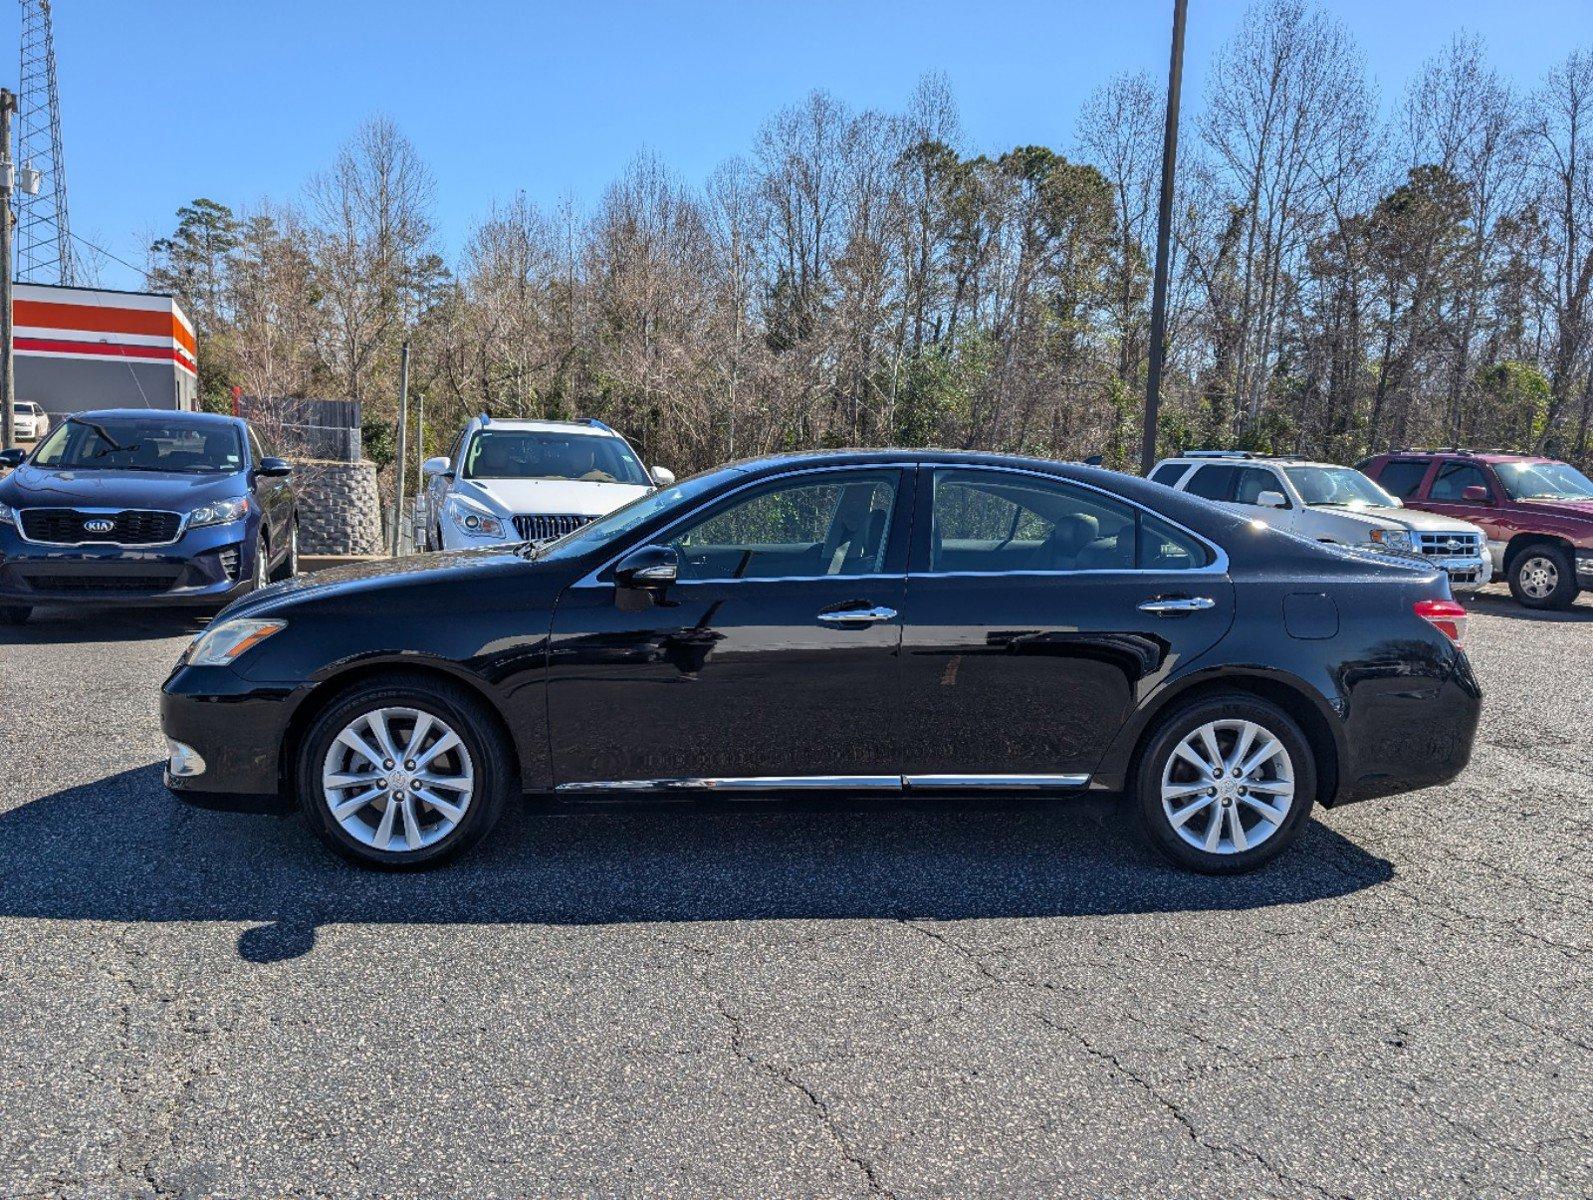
{"type": "Point", "coordinates": [528, 481]}
{"type": "Point", "coordinates": [1329, 503]}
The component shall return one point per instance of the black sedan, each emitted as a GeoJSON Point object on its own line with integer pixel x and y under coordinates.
{"type": "Point", "coordinates": [134, 506]}
{"type": "Point", "coordinates": [857, 621]}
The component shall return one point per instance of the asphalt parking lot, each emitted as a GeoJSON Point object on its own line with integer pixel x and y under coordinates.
{"type": "Point", "coordinates": [954, 1000]}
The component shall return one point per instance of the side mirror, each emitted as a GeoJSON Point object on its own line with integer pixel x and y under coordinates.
{"type": "Point", "coordinates": [437, 466]}
{"type": "Point", "coordinates": [1476, 494]}
{"type": "Point", "coordinates": [1272, 499]}
{"type": "Point", "coordinates": [662, 476]}
{"type": "Point", "coordinates": [275, 468]}
{"type": "Point", "coordinates": [13, 457]}
{"type": "Point", "coordinates": [648, 567]}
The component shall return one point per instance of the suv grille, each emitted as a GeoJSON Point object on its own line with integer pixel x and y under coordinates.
{"type": "Point", "coordinates": [130, 527]}
{"type": "Point", "coordinates": [540, 526]}
{"type": "Point", "coordinates": [1448, 545]}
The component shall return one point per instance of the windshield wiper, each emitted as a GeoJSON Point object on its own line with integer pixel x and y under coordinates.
{"type": "Point", "coordinates": [102, 431]}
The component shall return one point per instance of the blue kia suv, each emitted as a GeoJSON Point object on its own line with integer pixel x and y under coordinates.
{"type": "Point", "coordinates": [138, 506]}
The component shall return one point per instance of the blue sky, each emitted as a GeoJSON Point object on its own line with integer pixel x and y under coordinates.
{"type": "Point", "coordinates": [240, 100]}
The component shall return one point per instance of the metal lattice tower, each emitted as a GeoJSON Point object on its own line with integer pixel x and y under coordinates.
{"type": "Point", "coordinates": [44, 237]}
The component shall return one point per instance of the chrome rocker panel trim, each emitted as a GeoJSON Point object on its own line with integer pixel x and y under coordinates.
{"type": "Point", "coordinates": [776, 783]}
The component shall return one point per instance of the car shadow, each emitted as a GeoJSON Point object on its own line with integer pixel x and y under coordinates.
{"type": "Point", "coordinates": [57, 625]}
{"type": "Point", "coordinates": [122, 849]}
{"type": "Point", "coordinates": [1505, 605]}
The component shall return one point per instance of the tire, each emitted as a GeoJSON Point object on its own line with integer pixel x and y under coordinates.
{"type": "Point", "coordinates": [262, 564]}
{"type": "Point", "coordinates": [358, 833]}
{"type": "Point", "coordinates": [1543, 576]}
{"type": "Point", "coordinates": [1193, 796]}
{"type": "Point", "coordinates": [289, 567]}
{"type": "Point", "coordinates": [14, 614]}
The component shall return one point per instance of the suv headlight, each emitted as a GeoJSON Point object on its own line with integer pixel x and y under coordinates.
{"type": "Point", "coordinates": [474, 520]}
{"type": "Point", "coordinates": [8, 515]}
{"type": "Point", "coordinates": [219, 512]}
{"type": "Point", "coordinates": [1392, 539]}
{"type": "Point", "coordinates": [220, 644]}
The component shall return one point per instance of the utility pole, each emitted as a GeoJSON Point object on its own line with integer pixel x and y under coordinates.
{"type": "Point", "coordinates": [1164, 222]}
{"type": "Point", "coordinates": [8, 379]}
{"type": "Point", "coordinates": [399, 459]}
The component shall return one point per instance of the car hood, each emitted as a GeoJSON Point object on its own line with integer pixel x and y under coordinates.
{"type": "Point", "coordinates": [368, 576]}
{"type": "Point", "coordinates": [557, 496]}
{"type": "Point", "coordinates": [34, 487]}
{"type": "Point", "coordinates": [1367, 518]}
{"type": "Point", "coordinates": [1413, 518]}
{"type": "Point", "coordinates": [1580, 510]}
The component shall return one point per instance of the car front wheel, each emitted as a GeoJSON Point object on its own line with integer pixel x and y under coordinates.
{"type": "Point", "coordinates": [402, 773]}
{"type": "Point", "coordinates": [1543, 577]}
{"type": "Point", "coordinates": [1225, 784]}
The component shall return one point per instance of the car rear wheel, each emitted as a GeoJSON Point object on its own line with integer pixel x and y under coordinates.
{"type": "Point", "coordinates": [403, 773]}
{"type": "Point", "coordinates": [1543, 576]}
{"type": "Point", "coordinates": [14, 614]}
{"type": "Point", "coordinates": [1225, 784]}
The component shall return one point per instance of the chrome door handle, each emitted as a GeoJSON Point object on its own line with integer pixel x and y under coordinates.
{"type": "Point", "coordinates": [858, 616]}
{"type": "Point", "coordinates": [1177, 604]}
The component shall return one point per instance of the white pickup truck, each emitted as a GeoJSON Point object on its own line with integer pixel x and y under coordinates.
{"type": "Point", "coordinates": [1329, 503]}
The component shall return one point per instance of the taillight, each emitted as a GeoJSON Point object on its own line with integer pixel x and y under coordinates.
{"type": "Point", "coordinates": [1445, 616]}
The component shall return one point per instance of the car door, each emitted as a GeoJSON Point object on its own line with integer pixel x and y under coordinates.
{"type": "Point", "coordinates": [1039, 614]}
{"type": "Point", "coordinates": [1446, 494]}
{"type": "Point", "coordinates": [770, 661]}
{"type": "Point", "coordinates": [274, 494]}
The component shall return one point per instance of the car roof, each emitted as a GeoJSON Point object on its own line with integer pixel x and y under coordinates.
{"type": "Point", "coordinates": [580, 428]}
{"type": "Point", "coordinates": [1253, 461]}
{"type": "Point", "coordinates": [1483, 456]}
{"type": "Point", "coordinates": [164, 414]}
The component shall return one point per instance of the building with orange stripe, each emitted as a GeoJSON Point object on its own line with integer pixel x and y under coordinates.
{"type": "Point", "coordinates": [82, 348]}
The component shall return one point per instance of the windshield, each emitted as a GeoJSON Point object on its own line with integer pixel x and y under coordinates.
{"type": "Point", "coordinates": [534, 454]}
{"type": "Point", "coordinates": [596, 534]}
{"type": "Point", "coordinates": [152, 443]}
{"type": "Point", "coordinates": [1338, 485]}
{"type": "Point", "coordinates": [1544, 481]}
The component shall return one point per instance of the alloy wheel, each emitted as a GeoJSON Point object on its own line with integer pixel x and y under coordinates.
{"type": "Point", "coordinates": [398, 779]}
{"type": "Point", "coordinates": [1228, 786]}
{"type": "Point", "coordinates": [1539, 576]}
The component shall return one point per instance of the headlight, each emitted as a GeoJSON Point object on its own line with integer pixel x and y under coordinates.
{"type": "Point", "coordinates": [8, 515]}
{"type": "Point", "coordinates": [219, 512]}
{"type": "Point", "coordinates": [219, 645]}
{"type": "Point", "coordinates": [1392, 539]}
{"type": "Point", "coordinates": [473, 520]}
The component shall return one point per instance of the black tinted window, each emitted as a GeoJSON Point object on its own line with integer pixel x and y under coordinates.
{"type": "Point", "coordinates": [1213, 483]}
{"type": "Point", "coordinates": [989, 521]}
{"type": "Point", "coordinates": [1168, 473]}
{"type": "Point", "coordinates": [831, 525]}
{"type": "Point", "coordinates": [1402, 477]}
{"type": "Point", "coordinates": [1453, 479]}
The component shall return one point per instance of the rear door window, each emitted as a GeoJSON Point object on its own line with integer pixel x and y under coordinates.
{"type": "Point", "coordinates": [1213, 483]}
{"type": "Point", "coordinates": [1403, 476]}
{"type": "Point", "coordinates": [1168, 473]}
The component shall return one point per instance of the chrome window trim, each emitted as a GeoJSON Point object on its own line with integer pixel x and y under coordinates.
{"type": "Point", "coordinates": [182, 526]}
{"type": "Point", "coordinates": [766, 783]}
{"type": "Point", "coordinates": [1217, 566]}
{"type": "Point", "coordinates": [590, 579]}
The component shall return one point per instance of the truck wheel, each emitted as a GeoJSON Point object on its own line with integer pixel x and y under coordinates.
{"type": "Point", "coordinates": [1543, 576]}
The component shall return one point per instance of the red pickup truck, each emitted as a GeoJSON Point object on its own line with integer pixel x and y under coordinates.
{"type": "Point", "coordinates": [1536, 511]}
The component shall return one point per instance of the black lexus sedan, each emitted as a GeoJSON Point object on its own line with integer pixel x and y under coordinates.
{"type": "Point", "coordinates": [874, 621]}
{"type": "Point", "coordinates": [139, 506]}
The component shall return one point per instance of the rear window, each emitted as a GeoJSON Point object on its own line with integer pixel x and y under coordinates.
{"type": "Point", "coordinates": [1213, 483]}
{"type": "Point", "coordinates": [1403, 477]}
